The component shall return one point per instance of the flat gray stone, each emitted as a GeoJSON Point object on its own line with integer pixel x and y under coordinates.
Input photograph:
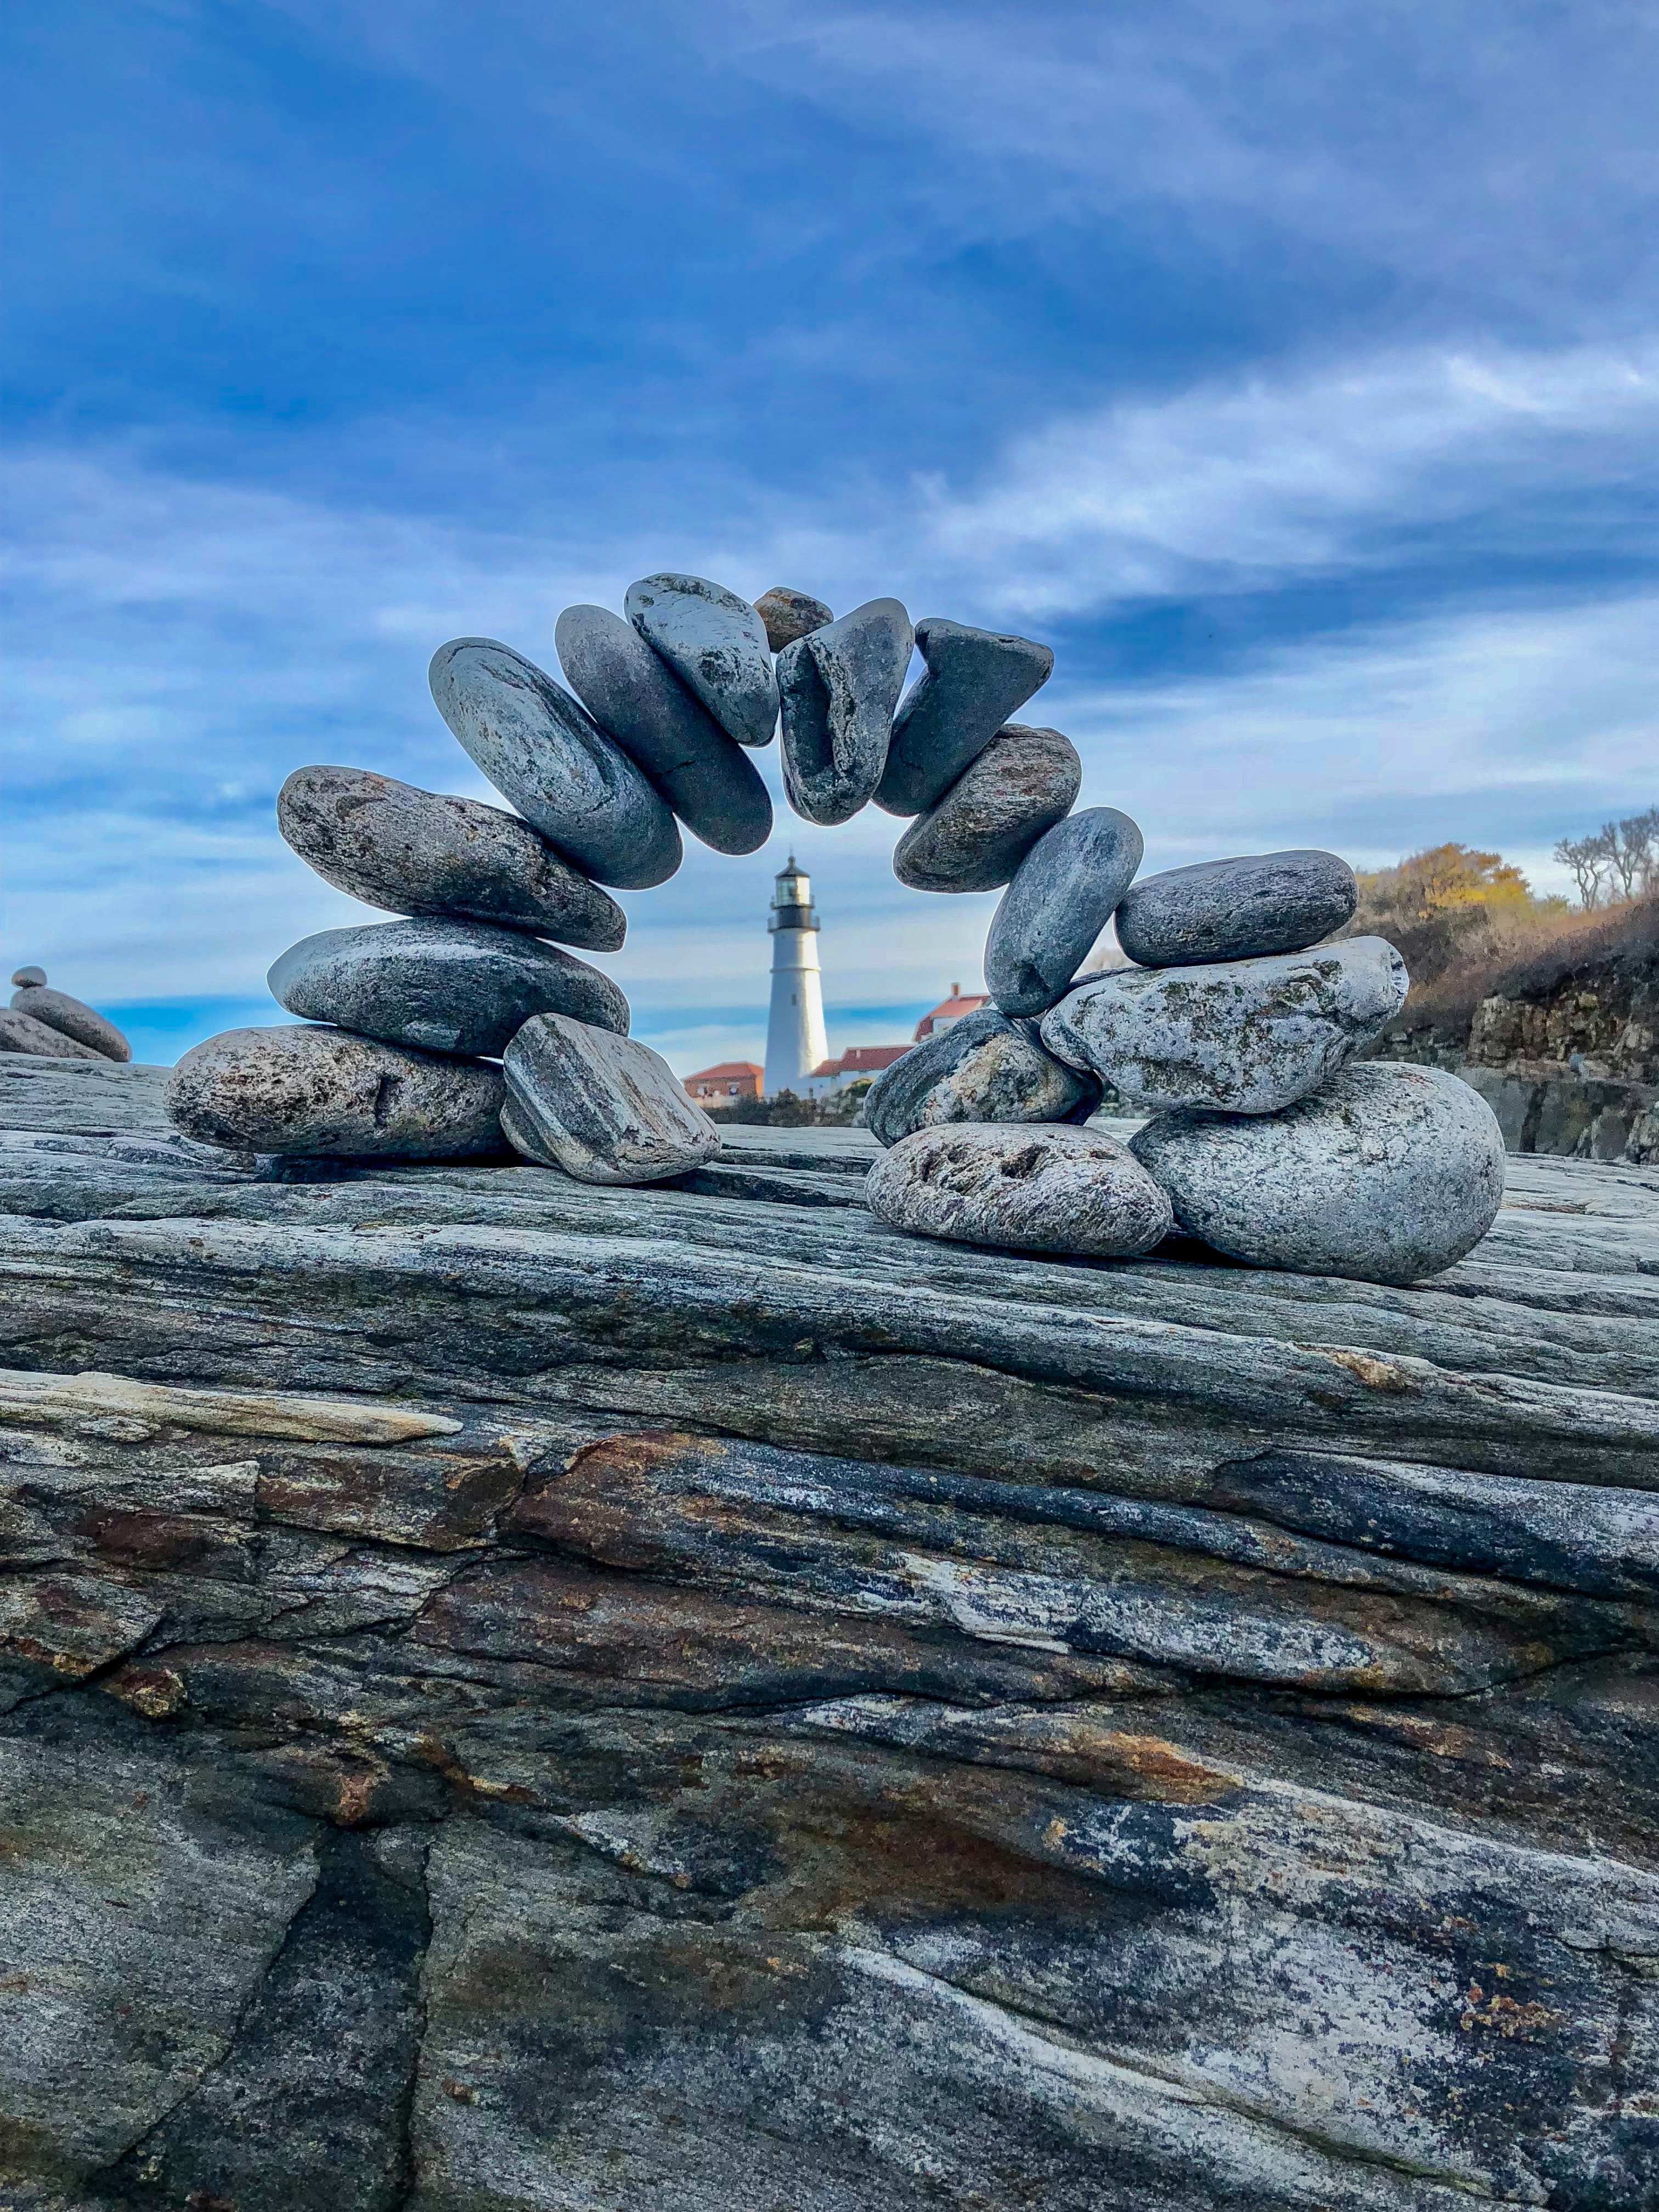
{"type": "Point", "coordinates": [975, 837]}
{"type": "Point", "coordinates": [1244, 1036]}
{"type": "Point", "coordinates": [1064, 893]}
{"type": "Point", "coordinates": [715, 642]}
{"type": "Point", "coordinates": [423, 853]}
{"type": "Point", "coordinates": [1021, 1190]}
{"type": "Point", "coordinates": [606, 1109]}
{"type": "Point", "coordinates": [57, 1011]}
{"type": "Point", "coordinates": [323, 1093]}
{"type": "Point", "coordinates": [982, 1068]}
{"type": "Point", "coordinates": [974, 680]}
{"type": "Point", "coordinates": [1238, 910]}
{"type": "Point", "coordinates": [838, 687]}
{"type": "Point", "coordinates": [635, 697]}
{"type": "Point", "coordinates": [20, 1032]}
{"type": "Point", "coordinates": [1390, 1173]}
{"type": "Point", "coordinates": [788, 615]}
{"type": "Point", "coordinates": [457, 987]}
{"type": "Point", "coordinates": [542, 751]}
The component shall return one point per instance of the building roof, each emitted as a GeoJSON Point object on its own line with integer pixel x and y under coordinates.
{"type": "Point", "coordinates": [726, 1069]}
{"type": "Point", "coordinates": [951, 1009]}
{"type": "Point", "coordinates": [871, 1058]}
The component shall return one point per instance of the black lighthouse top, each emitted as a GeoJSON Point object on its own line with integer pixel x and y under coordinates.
{"type": "Point", "coordinates": [792, 899]}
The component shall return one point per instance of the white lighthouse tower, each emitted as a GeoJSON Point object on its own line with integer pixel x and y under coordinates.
{"type": "Point", "coordinates": [795, 1039]}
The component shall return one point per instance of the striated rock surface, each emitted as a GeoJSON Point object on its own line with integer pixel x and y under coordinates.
{"type": "Point", "coordinates": [455, 987]}
{"type": "Point", "coordinates": [975, 680]}
{"type": "Point", "coordinates": [716, 643]}
{"type": "Point", "coordinates": [981, 1068]}
{"type": "Point", "coordinates": [1238, 909]}
{"type": "Point", "coordinates": [557, 1697]}
{"type": "Point", "coordinates": [1021, 1190]}
{"type": "Point", "coordinates": [424, 852]}
{"type": "Point", "coordinates": [1063, 893]}
{"type": "Point", "coordinates": [976, 835]}
{"type": "Point", "coordinates": [604, 1109]}
{"type": "Point", "coordinates": [1389, 1172]}
{"type": "Point", "coordinates": [838, 686]}
{"type": "Point", "coordinates": [325, 1092]}
{"type": "Point", "coordinates": [544, 750]}
{"type": "Point", "coordinates": [1244, 1036]}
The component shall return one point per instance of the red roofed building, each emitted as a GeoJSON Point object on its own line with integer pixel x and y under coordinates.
{"type": "Point", "coordinates": [858, 1061]}
{"type": "Point", "coordinates": [718, 1086]}
{"type": "Point", "coordinates": [950, 1009]}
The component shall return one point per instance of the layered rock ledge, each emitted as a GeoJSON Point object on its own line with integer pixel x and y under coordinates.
{"type": "Point", "coordinates": [526, 1695]}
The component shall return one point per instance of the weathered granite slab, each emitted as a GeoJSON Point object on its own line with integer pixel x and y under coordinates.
{"type": "Point", "coordinates": [837, 1722]}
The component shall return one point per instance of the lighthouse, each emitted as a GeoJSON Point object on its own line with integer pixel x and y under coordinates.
{"type": "Point", "coordinates": [795, 1040]}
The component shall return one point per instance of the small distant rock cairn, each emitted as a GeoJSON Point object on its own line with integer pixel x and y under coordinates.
{"type": "Point", "coordinates": [464, 1027]}
{"type": "Point", "coordinates": [49, 1024]}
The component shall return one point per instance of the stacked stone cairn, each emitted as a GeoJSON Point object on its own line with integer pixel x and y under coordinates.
{"type": "Point", "coordinates": [49, 1024]}
{"type": "Point", "coordinates": [464, 1027]}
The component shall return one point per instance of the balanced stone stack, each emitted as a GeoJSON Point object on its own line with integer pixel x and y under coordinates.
{"type": "Point", "coordinates": [49, 1024]}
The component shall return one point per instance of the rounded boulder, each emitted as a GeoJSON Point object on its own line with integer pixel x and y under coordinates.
{"type": "Point", "coordinates": [1048, 1189]}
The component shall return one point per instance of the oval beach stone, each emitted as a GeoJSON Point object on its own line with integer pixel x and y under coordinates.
{"type": "Point", "coordinates": [322, 1093]}
{"type": "Point", "coordinates": [838, 687]}
{"type": "Point", "coordinates": [20, 1032]}
{"type": "Point", "coordinates": [1238, 910]}
{"type": "Point", "coordinates": [788, 615]}
{"type": "Point", "coordinates": [1022, 1190]}
{"type": "Point", "coordinates": [70, 1019]}
{"type": "Point", "coordinates": [1244, 1036]}
{"type": "Point", "coordinates": [542, 751]}
{"type": "Point", "coordinates": [606, 1109]}
{"type": "Point", "coordinates": [981, 1068]}
{"type": "Point", "coordinates": [716, 643]}
{"type": "Point", "coordinates": [424, 852]}
{"type": "Point", "coordinates": [1390, 1173]}
{"type": "Point", "coordinates": [1064, 893]}
{"type": "Point", "coordinates": [975, 837]}
{"type": "Point", "coordinates": [974, 680]}
{"type": "Point", "coordinates": [456, 987]}
{"type": "Point", "coordinates": [24, 977]}
{"type": "Point", "coordinates": [635, 697]}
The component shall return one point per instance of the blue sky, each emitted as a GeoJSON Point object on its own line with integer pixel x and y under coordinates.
{"type": "Point", "coordinates": [1292, 368]}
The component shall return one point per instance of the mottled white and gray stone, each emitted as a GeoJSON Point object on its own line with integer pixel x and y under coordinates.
{"type": "Point", "coordinates": [1390, 1173]}
{"type": "Point", "coordinates": [456, 987]}
{"type": "Point", "coordinates": [788, 615]}
{"type": "Point", "coordinates": [606, 1109]}
{"type": "Point", "coordinates": [324, 1093]}
{"type": "Point", "coordinates": [70, 1017]}
{"type": "Point", "coordinates": [1064, 893]}
{"type": "Point", "coordinates": [1238, 909]}
{"type": "Point", "coordinates": [20, 1032]}
{"type": "Point", "coordinates": [1242, 1036]}
{"type": "Point", "coordinates": [974, 680]}
{"type": "Point", "coordinates": [544, 750]}
{"type": "Point", "coordinates": [715, 642]}
{"type": "Point", "coordinates": [425, 853]}
{"type": "Point", "coordinates": [981, 1068]}
{"type": "Point", "coordinates": [635, 697]}
{"type": "Point", "coordinates": [1021, 1190]}
{"type": "Point", "coordinates": [838, 686]}
{"type": "Point", "coordinates": [975, 837]}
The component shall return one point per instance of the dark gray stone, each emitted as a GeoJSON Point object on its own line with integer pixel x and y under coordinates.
{"type": "Point", "coordinates": [1021, 1190]}
{"type": "Point", "coordinates": [788, 615]}
{"type": "Point", "coordinates": [1238, 910]}
{"type": "Point", "coordinates": [423, 853]}
{"type": "Point", "coordinates": [456, 987]}
{"type": "Point", "coordinates": [636, 698]}
{"type": "Point", "coordinates": [20, 1032]}
{"type": "Point", "coordinates": [975, 837]}
{"type": "Point", "coordinates": [974, 680]}
{"type": "Point", "coordinates": [715, 642]}
{"type": "Point", "coordinates": [70, 1019]}
{"type": "Point", "coordinates": [981, 1068]}
{"type": "Point", "coordinates": [1064, 893]}
{"type": "Point", "coordinates": [324, 1093]}
{"type": "Point", "coordinates": [1241, 1037]}
{"type": "Point", "coordinates": [839, 686]}
{"type": "Point", "coordinates": [544, 750]}
{"type": "Point", "coordinates": [1390, 1173]}
{"type": "Point", "coordinates": [606, 1109]}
